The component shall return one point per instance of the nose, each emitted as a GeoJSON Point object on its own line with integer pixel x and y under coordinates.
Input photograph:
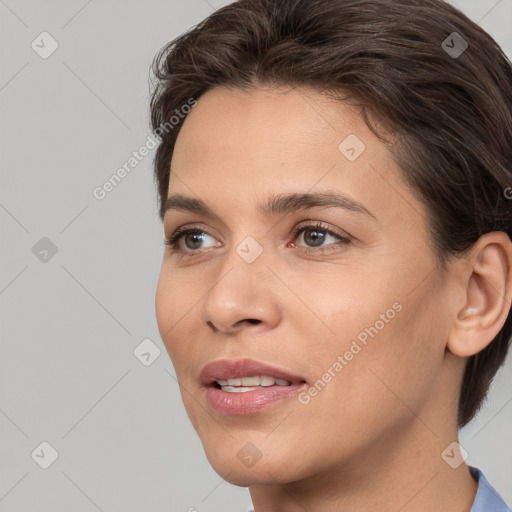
{"type": "Point", "coordinates": [244, 296]}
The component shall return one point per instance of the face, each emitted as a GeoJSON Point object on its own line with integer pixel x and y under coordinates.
{"type": "Point", "coordinates": [329, 298]}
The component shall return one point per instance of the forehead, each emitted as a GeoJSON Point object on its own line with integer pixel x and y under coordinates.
{"type": "Point", "coordinates": [239, 145]}
{"type": "Point", "coordinates": [281, 118]}
{"type": "Point", "coordinates": [281, 126]}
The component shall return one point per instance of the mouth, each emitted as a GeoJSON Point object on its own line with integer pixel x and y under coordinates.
{"type": "Point", "coordinates": [247, 386]}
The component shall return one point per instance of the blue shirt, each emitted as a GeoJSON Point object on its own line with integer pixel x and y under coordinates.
{"type": "Point", "coordinates": [487, 499]}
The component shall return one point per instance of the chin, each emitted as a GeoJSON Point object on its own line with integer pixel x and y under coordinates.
{"type": "Point", "coordinates": [250, 465]}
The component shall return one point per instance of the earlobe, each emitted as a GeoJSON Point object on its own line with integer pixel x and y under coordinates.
{"type": "Point", "coordinates": [487, 281]}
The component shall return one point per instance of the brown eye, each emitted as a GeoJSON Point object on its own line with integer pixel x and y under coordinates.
{"type": "Point", "coordinates": [316, 236]}
{"type": "Point", "coordinates": [193, 239]}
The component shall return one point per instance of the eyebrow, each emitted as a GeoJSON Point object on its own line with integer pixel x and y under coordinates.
{"type": "Point", "coordinates": [279, 204]}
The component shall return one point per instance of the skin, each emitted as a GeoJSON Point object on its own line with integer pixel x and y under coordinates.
{"type": "Point", "coordinates": [372, 438]}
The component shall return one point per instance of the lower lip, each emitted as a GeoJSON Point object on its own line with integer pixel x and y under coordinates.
{"type": "Point", "coordinates": [251, 401]}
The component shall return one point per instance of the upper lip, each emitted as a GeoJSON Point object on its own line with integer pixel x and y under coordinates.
{"type": "Point", "coordinates": [232, 369]}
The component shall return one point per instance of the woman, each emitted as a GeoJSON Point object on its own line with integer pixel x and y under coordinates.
{"type": "Point", "coordinates": [336, 288]}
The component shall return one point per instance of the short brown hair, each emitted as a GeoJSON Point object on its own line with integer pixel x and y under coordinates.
{"type": "Point", "coordinates": [451, 113]}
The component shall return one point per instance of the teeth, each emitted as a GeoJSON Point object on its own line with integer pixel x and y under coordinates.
{"type": "Point", "coordinates": [243, 384]}
{"type": "Point", "coordinates": [267, 381]}
{"type": "Point", "coordinates": [250, 381]}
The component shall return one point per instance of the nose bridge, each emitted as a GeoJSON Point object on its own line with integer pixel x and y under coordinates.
{"type": "Point", "coordinates": [241, 291]}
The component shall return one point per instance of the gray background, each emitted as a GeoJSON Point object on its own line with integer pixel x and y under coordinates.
{"type": "Point", "coordinates": [70, 323]}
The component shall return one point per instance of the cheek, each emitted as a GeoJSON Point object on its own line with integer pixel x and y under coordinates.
{"type": "Point", "coordinates": [400, 360]}
{"type": "Point", "coordinates": [164, 302]}
{"type": "Point", "coordinates": [177, 293]}
{"type": "Point", "coordinates": [390, 341]}
{"type": "Point", "coordinates": [364, 394]}
{"type": "Point", "coordinates": [173, 307]}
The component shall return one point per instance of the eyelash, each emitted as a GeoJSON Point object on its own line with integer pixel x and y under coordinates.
{"type": "Point", "coordinates": [344, 240]}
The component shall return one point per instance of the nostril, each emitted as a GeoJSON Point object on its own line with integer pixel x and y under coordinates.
{"type": "Point", "coordinates": [210, 324]}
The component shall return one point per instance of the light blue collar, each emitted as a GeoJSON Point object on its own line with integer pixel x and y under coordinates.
{"type": "Point", "coordinates": [487, 498]}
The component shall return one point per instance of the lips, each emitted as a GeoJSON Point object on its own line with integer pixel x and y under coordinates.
{"type": "Point", "coordinates": [225, 369]}
{"type": "Point", "coordinates": [227, 392]}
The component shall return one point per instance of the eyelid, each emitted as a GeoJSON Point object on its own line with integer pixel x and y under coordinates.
{"type": "Point", "coordinates": [323, 226]}
{"type": "Point", "coordinates": [178, 234]}
{"type": "Point", "coordinates": [193, 226]}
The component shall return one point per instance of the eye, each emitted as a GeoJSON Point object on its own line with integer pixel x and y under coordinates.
{"type": "Point", "coordinates": [191, 238]}
{"type": "Point", "coordinates": [189, 241]}
{"type": "Point", "coordinates": [315, 236]}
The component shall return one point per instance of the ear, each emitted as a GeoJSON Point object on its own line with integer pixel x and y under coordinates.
{"type": "Point", "coordinates": [487, 285]}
